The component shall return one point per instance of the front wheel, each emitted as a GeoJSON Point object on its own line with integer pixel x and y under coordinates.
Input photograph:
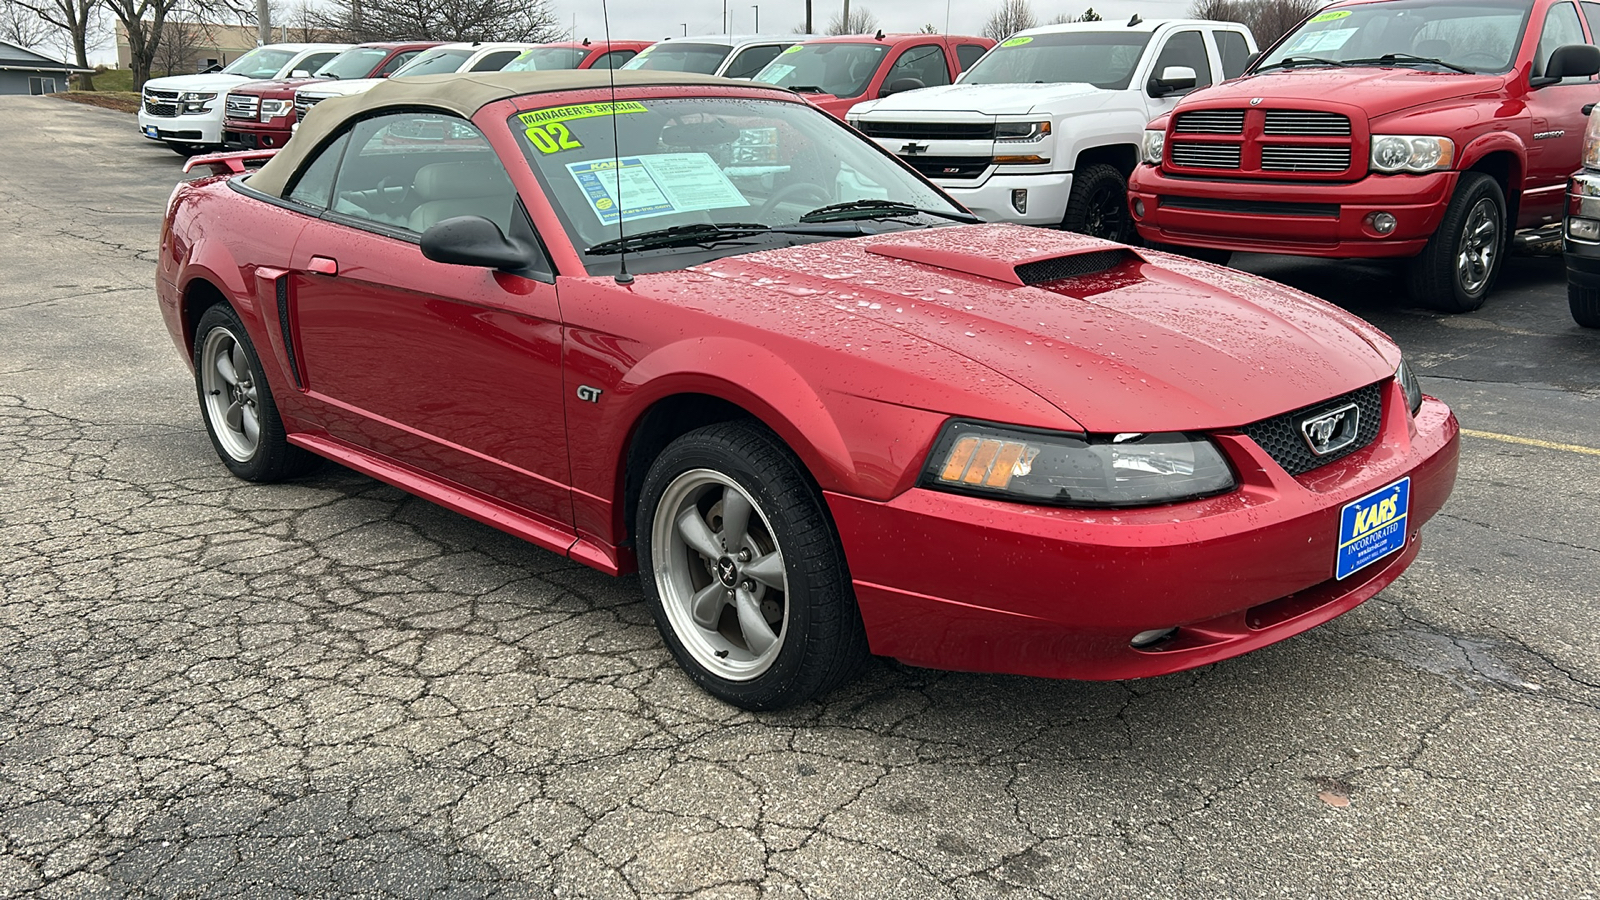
{"type": "Point", "coordinates": [1458, 267]}
{"type": "Point", "coordinates": [1098, 204]}
{"type": "Point", "coordinates": [743, 571]}
{"type": "Point", "coordinates": [1584, 301]}
{"type": "Point", "coordinates": [236, 402]}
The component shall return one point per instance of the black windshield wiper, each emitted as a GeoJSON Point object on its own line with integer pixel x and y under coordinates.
{"type": "Point", "coordinates": [1291, 61]}
{"type": "Point", "coordinates": [879, 209]}
{"type": "Point", "coordinates": [1398, 58]}
{"type": "Point", "coordinates": [707, 233]}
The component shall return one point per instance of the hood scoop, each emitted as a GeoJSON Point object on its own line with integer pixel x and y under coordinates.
{"type": "Point", "coordinates": [1007, 254]}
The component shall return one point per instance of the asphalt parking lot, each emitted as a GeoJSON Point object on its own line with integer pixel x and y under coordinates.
{"type": "Point", "coordinates": [210, 688]}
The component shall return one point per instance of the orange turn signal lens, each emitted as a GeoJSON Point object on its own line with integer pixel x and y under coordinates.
{"type": "Point", "coordinates": [1031, 159]}
{"type": "Point", "coordinates": [987, 462]}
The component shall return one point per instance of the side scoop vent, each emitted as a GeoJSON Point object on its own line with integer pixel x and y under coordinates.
{"type": "Point", "coordinates": [1077, 265]}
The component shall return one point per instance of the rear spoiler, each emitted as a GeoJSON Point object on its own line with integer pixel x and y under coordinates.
{"type": "Point", "coordinates": [229, 163]}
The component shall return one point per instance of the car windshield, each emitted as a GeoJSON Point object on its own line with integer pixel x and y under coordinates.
{"type": "Point", "coordinates": [357, 62]}
{"type": "Point", "coordinates": [694, 164]}
{"type": "Point", "coordinates": [435, 62]}
{"type": "Point", "coordinates": [1461, 34]}
{"type": "Point", "coordinates": [840, 69]}
{"type": "Point", "coordinates": [543, 59]}
{"type": "Point", "coordinates": [1105, 59]}
{"type": "Point", "coordinates": [701, 58]}
{"type": "Point", "coordinates": [262, 62]}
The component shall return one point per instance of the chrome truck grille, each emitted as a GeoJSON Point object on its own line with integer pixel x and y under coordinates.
{"type": "Point", "coordinates": [161, 103]}
{"type": "Point", "coordinates": [243, 106]}
{"type": "Point", "coordinates": [1271, 142]}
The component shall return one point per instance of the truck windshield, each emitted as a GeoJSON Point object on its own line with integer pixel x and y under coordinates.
{"type": "Point", "coordinates": [357, 62]}
{"type": "Point", "coordinates": [260, 63]}
{"type": "Point", "coordinates": [843, 70]}
{"type": "Point", "coordinates": [1105, 59]}
{"type": "Point", "coordinates": [541, 59]}
{"type": "Point", "coordinates": [435, 62]}
{"type": "Point", "coordinates": [1476, 35]}
{"type": "Point", "coordinates": [701, 58]}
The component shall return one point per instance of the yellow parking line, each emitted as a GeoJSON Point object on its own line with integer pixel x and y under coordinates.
{"type": "Point", "coordinates": [1532, 442]}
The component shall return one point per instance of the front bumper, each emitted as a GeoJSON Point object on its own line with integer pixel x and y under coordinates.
{"type": "Point", "coordinates": [243, 133]}
{"type": "Point", "coordinates": [992, 199]}
{"type": "Point", "coordinates": [1027, 590]}
{"type": "Point", "coordinates": [1583, 202]}
{"type": "Point", "coordinates": [202, 128]}
{"type": "Point", "coordinates": [1300, 219]}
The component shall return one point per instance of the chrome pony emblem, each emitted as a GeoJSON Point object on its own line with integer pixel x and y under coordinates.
{"type": "Point", "coordinates": [1332, 431]}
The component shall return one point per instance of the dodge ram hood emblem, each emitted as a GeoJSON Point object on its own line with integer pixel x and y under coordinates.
{"type": "Point", "coordinates": [1255, 101]}
{"type": "Point", "coordinates": [1332, 431]}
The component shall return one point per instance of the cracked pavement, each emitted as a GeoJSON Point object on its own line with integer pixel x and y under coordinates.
{"type": "Point", "coordinates": [327, 688]}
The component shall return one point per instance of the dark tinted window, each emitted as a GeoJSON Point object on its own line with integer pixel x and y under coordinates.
{"type": "Point", "coordinates": [399, 60]}
{"type": "Point", "coordinates": [613, 60]}
{"type": "Point", "coordinates": [924, 62]}
{"type": "Point", "coordinates": [969, 54]}
{"type": "Point", "coordinates": [314, 185]}
{"type": "Point", "coordinates": [409, 171]}
{"type": "Point", "coordinates": [494, 61]}
{"type": "Point", "coordinates": [1234, 50]}
{"type": "Point", "coordinates": [1186, 48]}
{"type": "Point", "coordinates": [752, 60]}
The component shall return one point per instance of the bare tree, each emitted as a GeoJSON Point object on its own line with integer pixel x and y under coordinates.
{"type": "Point", "coordinates": [1268, 20]}
{"type": "Point", "coordinates": [143, 22]}
{"type": "Point", "coordinates": [23, 26]}
{"type": "Point", "coordinates": [80, 23]}
{"type": "Point", "coordinates": [181, 40]}
{"type": "Point", "coordinates": [861, 21]}
{"type": "Point", "coordinates": [930, 28]}
{"type": "Point", "coordinates": [441, 20]}
{"type": "Point", "coordinates": [1089, 15]}
{"type": "Point", "coordinates": [1010, 17]}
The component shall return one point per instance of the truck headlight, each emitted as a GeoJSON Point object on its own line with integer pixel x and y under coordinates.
{"type": "Point", "coordinates": [271, 109]}
{"type": "Point", "coordinates": [1411, 153]}
{"type": "Point", "coordinates": [1155, 142]}
{"type": "Point", "coordinates": [1025, 132]}
{"type": "Point", "coordinates": [1591, 143]}
{"type": "Point", "coordinates": [1410, 385]}
{"type": "Point", "coordinates": [192, 102]}
{"type": "Point", "coordinates": [1059, 469]}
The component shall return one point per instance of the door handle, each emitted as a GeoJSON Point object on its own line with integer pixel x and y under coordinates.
{"type": "Point", "coordinates": [322, 265]}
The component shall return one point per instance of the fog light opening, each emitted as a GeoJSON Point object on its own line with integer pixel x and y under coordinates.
{"type": "Point", "coordinates": [1144, 640]}
{"type": "Point", "coordinates": [1138, 207]}
{"type": "Point", "coordinates": [1019, 200]}
{"type": "Point", "coordinates": [1583, 229]}
{"type": "Point", "coordinates": [1382, 223]}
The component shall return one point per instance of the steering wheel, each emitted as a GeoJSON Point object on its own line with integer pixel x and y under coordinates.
{"type": "Point", "coordinates": [794, 189]}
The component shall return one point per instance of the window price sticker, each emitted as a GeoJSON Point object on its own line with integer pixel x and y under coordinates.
{"type": "Point", "coordinates": [660, 184]}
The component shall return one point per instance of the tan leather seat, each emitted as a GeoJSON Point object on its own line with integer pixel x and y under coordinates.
{"type": "Point", "coordinates": [455, 189]}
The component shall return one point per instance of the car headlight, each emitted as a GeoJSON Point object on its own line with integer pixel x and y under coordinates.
{"type": "Point", "coordinates": [1409, 384]}
{"type": "Point", "coordinates": [271, 109]}
{"type": "Point", "coordinates": [1058, 469]}
{"type": "Point", "coordinates": [1155, 143]}
{"type": "Point", "coordinates": [195, 102]}
{"type": "Point", "coordinates": [1022, 131]}
{"type": "Point", "coordinates": [1411, 153]}
{"type": "Point", "coordinates": [1591, 143]}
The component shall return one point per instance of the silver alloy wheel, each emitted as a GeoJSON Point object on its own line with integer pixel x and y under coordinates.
{"type": "Point", "coordinates": [230, 394]}
{"type": "Point", "coordinates": [1480, 241]}
{"type": "Point", "coordinates": [720, 575]}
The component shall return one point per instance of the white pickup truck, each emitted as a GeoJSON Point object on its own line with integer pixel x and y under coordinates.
{"type": "Point", "coordinates": [1046, 127]}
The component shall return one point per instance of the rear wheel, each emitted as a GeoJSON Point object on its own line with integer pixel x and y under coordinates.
{"type": "Point", "coordinates": [1098, 204]}
{"type": "Point", "coordinates": [1585, 304]}
{"type": "Point", "coordinates": [1458, 267]}
{"type": "Point", "coordinates": [743, 571]}
{"type": "Point", "coordinates": [236, 403]}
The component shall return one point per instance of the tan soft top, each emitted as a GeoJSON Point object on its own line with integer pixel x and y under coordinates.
{"type": "Point", "coordinates": [462, 94]}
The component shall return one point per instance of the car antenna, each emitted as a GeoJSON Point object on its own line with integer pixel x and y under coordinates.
{"type": "Point", "coordinates": [616, 159]}
{"type": "Point", "coordinates": [1135, 20]}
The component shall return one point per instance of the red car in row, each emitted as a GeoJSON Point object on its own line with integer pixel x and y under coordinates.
{"type": "Point", "coordinates": [700, 328]}
{"type": "Point", "coordinates": [836, 73]}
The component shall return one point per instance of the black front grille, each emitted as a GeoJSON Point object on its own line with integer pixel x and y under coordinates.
{"type": "Point", "coordinates": [1283, 440]}
{"type": "Point", "coordinates": [161, 103]}
{"type": "Point", "coordinates": [956, 167]}
{"type": "Point", "coordinates": [1252, 207]}
{"type": "Point", "coordinates": [930, 131]}
{"type": "Point", "coordinates": [1075, 266]}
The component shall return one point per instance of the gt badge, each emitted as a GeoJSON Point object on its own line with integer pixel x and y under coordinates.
{"type": "Point", "coordinates": [1332, 431]}
{"type": "Point", "coordinates": [589, 394]}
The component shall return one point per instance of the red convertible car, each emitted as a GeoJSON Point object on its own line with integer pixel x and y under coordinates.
{"type": "Point", "coordinates": [702, 329]}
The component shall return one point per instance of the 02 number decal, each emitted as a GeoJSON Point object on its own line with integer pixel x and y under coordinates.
{"type": "Point", "coordinates": [553, 137]}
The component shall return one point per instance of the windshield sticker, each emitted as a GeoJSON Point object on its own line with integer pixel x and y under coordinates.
{"type": "Point", "coordinates": [552, 138]}
{"type": "Point", "coordinates": [794, 49]}
{"type": "Point", "coordinates": [774, 73]}
{"type": "Point", "coordinates": [581, 111]}
{"type": "Point", "coordinates": [656, 185]}
{"type": "Point", "coordinates": [1016, 42]}
{"type": "Point", "coordinates": [1332, 16]}
{"type": "Point", "coordinates": [1319, 41]}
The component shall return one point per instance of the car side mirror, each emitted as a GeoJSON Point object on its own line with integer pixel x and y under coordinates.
{"type": "Point", "coordinates": [1569, 61]}
{"type": "Point", "coordinates": [299, 73]}
{"type": "Point", "coordinates": [901, 85]}
{"type": "Point", "coordinates": [1171, 80]}
{"type": "Point", "coordinates": [1251, 60]}
{"type": "Point", "coordinates": [474, 241]}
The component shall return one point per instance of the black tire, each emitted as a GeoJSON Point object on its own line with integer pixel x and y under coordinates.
{"type": "Point", "coordinates": [1585, 304]}
{"type": "Point", "coordinates": [1439, 277]}
{"type": "Point", "coordinates": [1204, 254]}
{"type": "Point", "coordinates": [820, 641]}
{"type": "Point", "coordinates": [1098, 204]}
{"type": "Point", "coordinates": [270, 457]}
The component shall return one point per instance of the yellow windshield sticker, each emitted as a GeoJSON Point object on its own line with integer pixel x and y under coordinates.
{"type": "Point", "coordinates": [794, 49]}
{"type": "Point", "coordinates": [1331, 16]}
{"type": "Point", "coordinates": [580, 111]}
{"type": "Point", "coordinates": [1016, 42]}
{"type": "Point", "coordinates": [552, 137]}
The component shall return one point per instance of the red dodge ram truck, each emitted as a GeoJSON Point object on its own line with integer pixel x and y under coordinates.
{"type": "Point", "coordinates": [1421, 129]}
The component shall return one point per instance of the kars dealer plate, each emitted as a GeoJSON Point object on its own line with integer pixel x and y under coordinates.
{"type": "Point", "coordinates": [1372, 527]}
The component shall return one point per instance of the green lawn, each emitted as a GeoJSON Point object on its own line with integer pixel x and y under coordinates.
{"type": "Point", "coordinates": [114, 80]}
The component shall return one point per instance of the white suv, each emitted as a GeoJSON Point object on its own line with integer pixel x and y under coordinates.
{"type": "Point", "coordinates": [444, 59]}
{"type": "Point", "coordinates": [185, 111]}
{"type": "Point", "coordinates": [1047, 126]}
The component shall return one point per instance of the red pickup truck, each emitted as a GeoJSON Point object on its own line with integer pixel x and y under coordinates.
{"type": "Point", "coordinates": [1421, 129]}
{"type": "Point", "coordinates": [260, 114]}
{"type": "Point", "coordinates": [836, 73]}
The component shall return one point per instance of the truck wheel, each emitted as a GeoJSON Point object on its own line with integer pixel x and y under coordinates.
{"type": "Point", "coordinates": [1098, 204]}
{"type": "Point", "coordinates": [1457, 269]}
{"type": "Point", "coordinates": [743, 572]}
{"type": "Point", "coordinates": [1585, 304]}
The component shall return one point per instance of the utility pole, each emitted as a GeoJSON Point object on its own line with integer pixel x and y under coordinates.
{"type": "Point", "coordinates": [758, 18]}
{"type": "Point", "coordinates": [846, 23]}
{"type": "Point", "coordinates": [808, 18]}
{"type": "Point", "coordinates": [263, 22]}
{"type": "Point", "coordinates": [724, 16]}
